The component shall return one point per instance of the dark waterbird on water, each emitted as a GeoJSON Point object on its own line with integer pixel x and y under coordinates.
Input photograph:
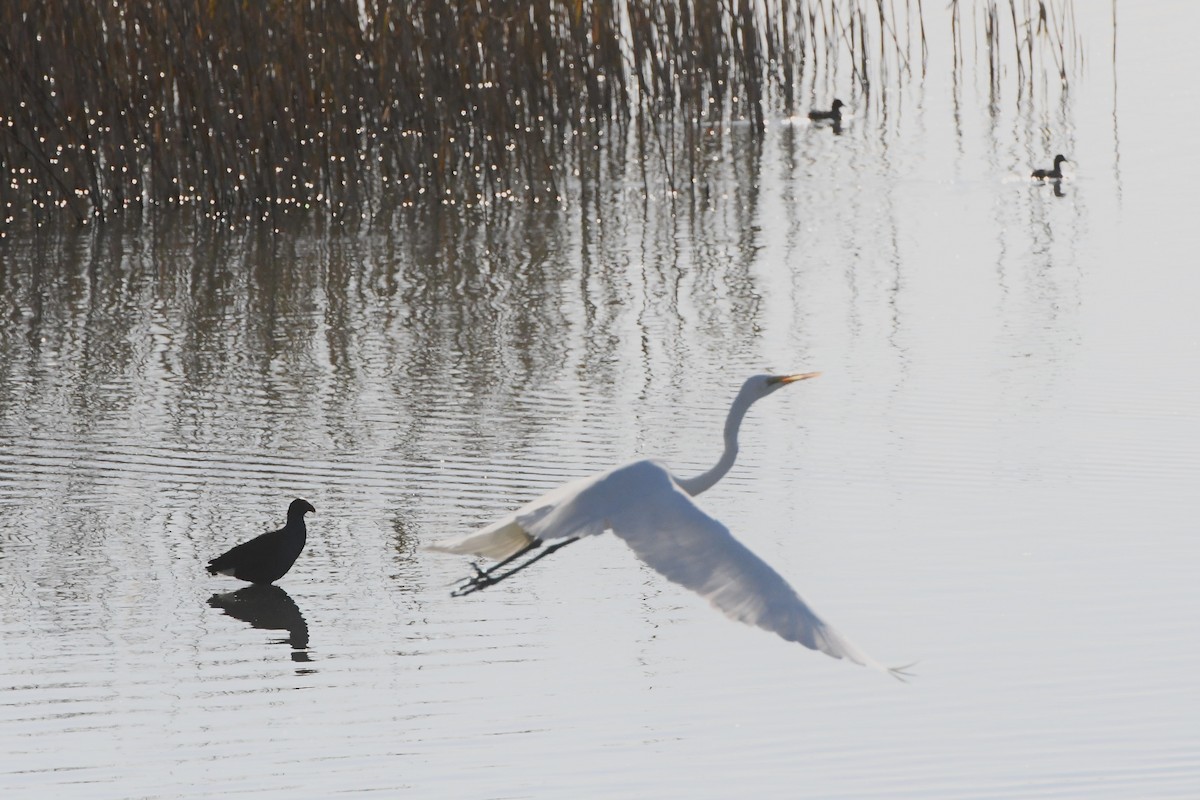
{"type": "Point", "coordinates": [833, 115]}
{"type": "Point", "coordinates": [1051, 174]}
{"type": "Point", "coordinates": [267, 558]}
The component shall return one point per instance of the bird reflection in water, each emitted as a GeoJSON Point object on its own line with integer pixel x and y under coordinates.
{"type": "Point", "coordinates": [270, 608]}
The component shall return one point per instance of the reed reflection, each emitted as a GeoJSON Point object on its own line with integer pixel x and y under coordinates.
{"type": "Point", "coordinates": [269, 608]}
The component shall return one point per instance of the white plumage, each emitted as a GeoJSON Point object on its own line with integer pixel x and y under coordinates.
{"type": "Point", "coordinates": [652, 511]}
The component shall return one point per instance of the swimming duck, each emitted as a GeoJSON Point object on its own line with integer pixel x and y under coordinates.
{"type": "Point", "coordinates": [834, 114]}
{"type": "Point", "coordinates": [1051, 174]}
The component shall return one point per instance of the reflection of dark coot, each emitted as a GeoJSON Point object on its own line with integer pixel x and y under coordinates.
{"type": "Point", "coordinates": [267, 558]}
{"type": "Point", "coordinates": [266, 607]}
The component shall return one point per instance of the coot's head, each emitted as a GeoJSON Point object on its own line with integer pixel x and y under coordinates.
{"type": "Point", "coordinates": [299, 508]}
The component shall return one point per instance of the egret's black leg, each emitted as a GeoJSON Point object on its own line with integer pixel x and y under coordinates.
{"type": "Point", "coordinates": [485, 578]}
{"type": "Point", "coordinates": [484, 573]}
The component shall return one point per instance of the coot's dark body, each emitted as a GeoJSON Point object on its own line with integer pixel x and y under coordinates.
{"type": "Point", "coordinates": [267, 558]}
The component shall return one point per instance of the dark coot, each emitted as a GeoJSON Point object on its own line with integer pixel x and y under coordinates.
{"type": "Point", "coordinates": [267, 558]}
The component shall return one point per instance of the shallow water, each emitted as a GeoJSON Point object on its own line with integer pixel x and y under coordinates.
{"type": "Point", "coordinates": [994, 477]}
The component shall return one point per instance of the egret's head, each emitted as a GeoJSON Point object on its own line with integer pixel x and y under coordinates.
{"type": "Point", "coordinates": [760, 386]}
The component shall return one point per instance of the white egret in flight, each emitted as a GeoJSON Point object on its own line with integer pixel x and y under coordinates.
{"type": "Point", "coordinates": [653, 512]}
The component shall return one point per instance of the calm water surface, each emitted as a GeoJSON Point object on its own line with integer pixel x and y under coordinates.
{"type": "Point", "coordinates": [995, 477]}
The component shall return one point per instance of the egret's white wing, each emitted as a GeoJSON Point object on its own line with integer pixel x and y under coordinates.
{"type": "Point", "coordinates": [578, 508]}
{"type": "Point", "coordinates": [498, 541]}
{"type": "Point", "coordinates": [671, 534]}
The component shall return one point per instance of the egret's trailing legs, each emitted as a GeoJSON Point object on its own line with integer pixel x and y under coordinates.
{"type": "Point", "coordinates": [484, 578]}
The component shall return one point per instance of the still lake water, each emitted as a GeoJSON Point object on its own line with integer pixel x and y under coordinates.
{"type": "Point", "coordinates": [996, 476]}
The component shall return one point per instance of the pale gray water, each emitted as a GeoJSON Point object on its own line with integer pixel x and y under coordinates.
{"type": "Point", "coordinates": [996, 476]}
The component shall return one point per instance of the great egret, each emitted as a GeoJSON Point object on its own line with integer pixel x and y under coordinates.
{"type": "Point", "coordinates": [267, 558]}
{"type": "Point", "coordinates": [1051, 174]}
{"type": "Point", "coordinates": [833, 115]}
{"type": "Point", "coordinates": [653, 512]}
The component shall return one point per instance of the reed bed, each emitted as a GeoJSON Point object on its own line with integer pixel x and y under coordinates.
{"type": "Point", "coordinates": [268, 106]}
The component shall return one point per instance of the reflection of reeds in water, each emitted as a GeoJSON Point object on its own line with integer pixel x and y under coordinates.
{"type": "Point", "coordinates": [344, 104]}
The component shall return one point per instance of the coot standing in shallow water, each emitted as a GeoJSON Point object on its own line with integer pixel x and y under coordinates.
{"type": "Point", "coordinates": [834, 114]}
{"type": "Point", "coordinates": [1051, 174]}
{"type": "Point", "coordinates": [267, 558]}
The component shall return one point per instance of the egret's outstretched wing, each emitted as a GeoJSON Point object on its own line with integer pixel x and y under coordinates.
{"type": "Point", "coordinates": [578, 508]}
{"type": "Point", "coordinates": [497, 541]}
{"type": "Point", "coordinates": [671, 534]}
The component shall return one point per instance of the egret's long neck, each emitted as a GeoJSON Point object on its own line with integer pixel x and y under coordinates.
{"type": "Point", "coordinates": [733, 422]}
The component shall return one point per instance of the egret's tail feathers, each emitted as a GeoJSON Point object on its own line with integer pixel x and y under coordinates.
{"type": "Point", "coordinates": [496, 542]}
